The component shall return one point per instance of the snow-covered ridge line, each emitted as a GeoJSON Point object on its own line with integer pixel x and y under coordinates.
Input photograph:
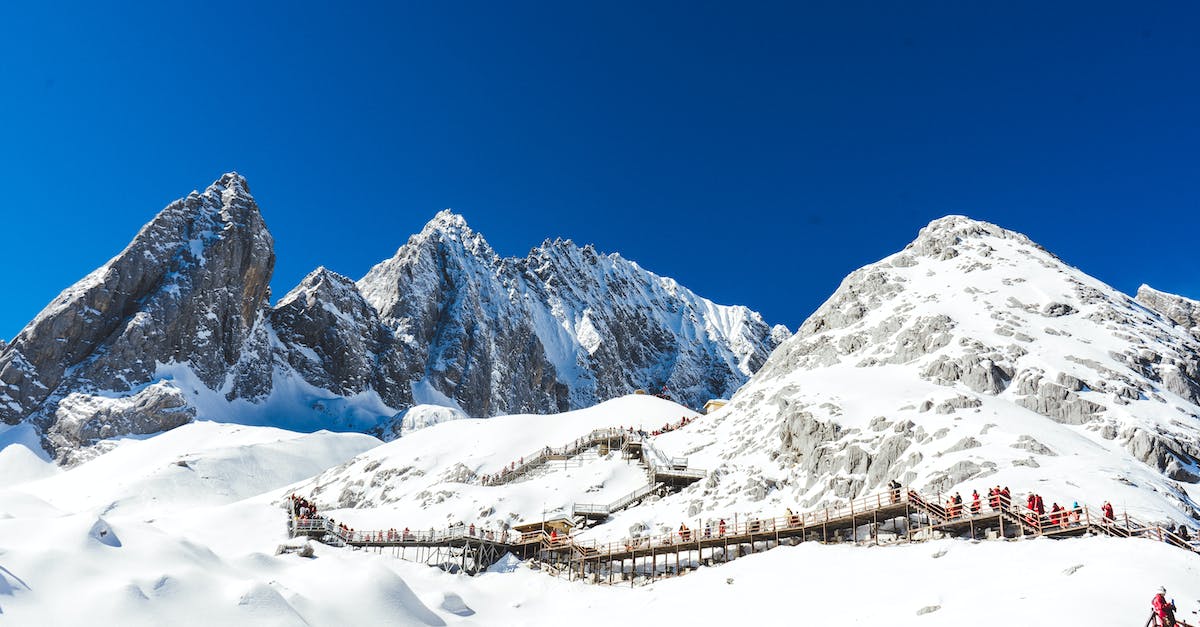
{"type": "Point", "coordinates": [450, 323]}
{"type": "Point", "coordinates": [586, 326]}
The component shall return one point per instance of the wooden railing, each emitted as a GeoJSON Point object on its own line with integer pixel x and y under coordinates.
{"type": "Point", "coordinates": [739, 530]}
{"type": "Point", "coordinates": [535, 459]}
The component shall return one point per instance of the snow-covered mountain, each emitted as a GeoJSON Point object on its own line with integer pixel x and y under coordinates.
{"type": "Point", "coordinates": [565, 327]}
{"type": "Point", "coordinates": [183, 528]}
{"type": "Point", "coordinates": [190, 291]}
{"type": "Point", "coordinates": [970, 358]}
{"type": "Point", "coordinates": [179, 326]}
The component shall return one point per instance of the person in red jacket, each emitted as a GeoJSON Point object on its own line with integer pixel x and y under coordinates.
{"type": "Point", "coordinates": [1108, 511]}
{"type": "Point", "coordinates": [1164, 610]}
{"type": "Point", "coordinates": [975, 502]}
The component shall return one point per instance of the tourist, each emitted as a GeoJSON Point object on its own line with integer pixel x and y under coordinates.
{"type": "Point", "coordinates": [1164, 610]}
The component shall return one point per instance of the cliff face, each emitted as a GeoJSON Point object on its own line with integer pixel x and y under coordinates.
{"type": "Point", "coordinates": [565, 327]}
{"type": "Point", "coordinates": [332, 338]}
{"type": "Point", "coordinates": [189, 289]}
{"type": "Point", "coordinates": [179, 326]}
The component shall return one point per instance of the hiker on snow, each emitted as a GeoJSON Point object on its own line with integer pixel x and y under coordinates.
{"type": "Point", "coordinates": [1164, 610]}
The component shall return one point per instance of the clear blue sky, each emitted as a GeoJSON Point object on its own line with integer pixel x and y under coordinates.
{"type": "Point", "coordinates": [756, 153]}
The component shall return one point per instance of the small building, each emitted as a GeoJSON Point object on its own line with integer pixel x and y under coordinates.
{"type": "Point", "coordinates": [562, 525]}
{"type": "Point", "coordinates": [714, 404]}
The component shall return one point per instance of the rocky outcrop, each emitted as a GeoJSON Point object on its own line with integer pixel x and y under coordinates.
{"type": "Point", "coordinates": [1055, 401]}
{"type": "Point", "coordinates": [1184, 312]}
{"type": "Point", "coordinates": [189, 290]}
{"type": "Point", "coordinates": [1171, 456]}
{"type": "Point", "coordinates": [82, 418]}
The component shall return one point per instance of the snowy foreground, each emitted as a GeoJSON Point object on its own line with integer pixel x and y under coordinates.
{"type": "Point", "coordinates": [181, 529]}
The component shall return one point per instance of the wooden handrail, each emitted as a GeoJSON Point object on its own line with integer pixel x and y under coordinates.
{"type": "Point", "coordinates": [750, 530]}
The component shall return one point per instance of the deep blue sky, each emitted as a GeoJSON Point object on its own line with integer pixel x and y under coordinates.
{"type": "Point", "coordinates": [757, 154]}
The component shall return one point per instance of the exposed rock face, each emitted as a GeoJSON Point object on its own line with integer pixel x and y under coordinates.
{"type": "Point", "coordinates": [179, 324]}
{"type": "Point", "coordinates": [1182, 311]}
{"type": "Point", "coordinates": [190, 289]}
{"type": "Point", "coordinates": [332, 338]}
{"type": "Point", "coordinates": [563, 328]}
{"type": "Point", "coordinates": [453, 310]}
{"type": "Point", "coordinates": [971, 323]}
{"type": "Point", "coordinates": [155, 408]}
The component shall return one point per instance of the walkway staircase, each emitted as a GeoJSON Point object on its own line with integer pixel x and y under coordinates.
{"type": "Point", "coordinates": [922, 517]}
{"type": "Point", "coordinates": [663, 475]}
{"type": "Point", "coordinates": [521, 469]}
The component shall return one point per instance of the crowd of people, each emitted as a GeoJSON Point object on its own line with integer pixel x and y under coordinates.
{"type": "Point", "coordinates": [998, 498]}
{"type": "Point", "coordinates": [669, 427]}
{"type": "Point", "coordinates": [303, 508]}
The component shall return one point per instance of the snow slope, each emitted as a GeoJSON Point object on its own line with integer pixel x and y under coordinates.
{"type": "Point", "coordinates": [418, 481]}
{"type": "Point", "coordinates": [92, 535]}
{"type": "Point", "coordinates": [972, 358]}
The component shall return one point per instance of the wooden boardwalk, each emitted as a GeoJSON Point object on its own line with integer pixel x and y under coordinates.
{"type": "Point", "coordinates": [896, 515]}
{"type": "Point", "coordinates": [909, 515]}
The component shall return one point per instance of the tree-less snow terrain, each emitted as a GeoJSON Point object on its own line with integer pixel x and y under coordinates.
{"type": "Point", "coordinates": [970, 359]}
{"type": "Point", "coordinates": [168, 530]}
{"type": "Point", "coordinates": [178, 326]}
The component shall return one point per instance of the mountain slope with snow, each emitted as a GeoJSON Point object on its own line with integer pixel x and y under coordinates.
{"type": "Point", "coordinates": [183, 528]}
{"type": "Point", "coordinates": [973, 357]}
{"type": "Point", "coordinates": [189, 290]}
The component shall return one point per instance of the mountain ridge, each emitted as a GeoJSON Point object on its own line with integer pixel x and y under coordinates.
{"type": "Point", "coordinates": [984, 355]}
{"type": "Point", "coordinates": [179, 326]}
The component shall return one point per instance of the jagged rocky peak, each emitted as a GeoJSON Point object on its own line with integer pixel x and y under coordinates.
{"type": "Point", "coordinates": [460, 322]}
{"type": "Point", "coordinates": [940, 363]}
{"type": "Point", "coordinates": [189, 290]}
{"type": "Point", "coordinates": [446, 241]}
{"type": "Point", "coordinates": [580, 325]}
{"type": "Point", "coordinates": [449, 227]}
{"type": "Point", "coordinates": [180, 320]}
{"type": "Point", "coordinates": [329, 334]}
{"type": "Point", "coordinates": [1182, 311]}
